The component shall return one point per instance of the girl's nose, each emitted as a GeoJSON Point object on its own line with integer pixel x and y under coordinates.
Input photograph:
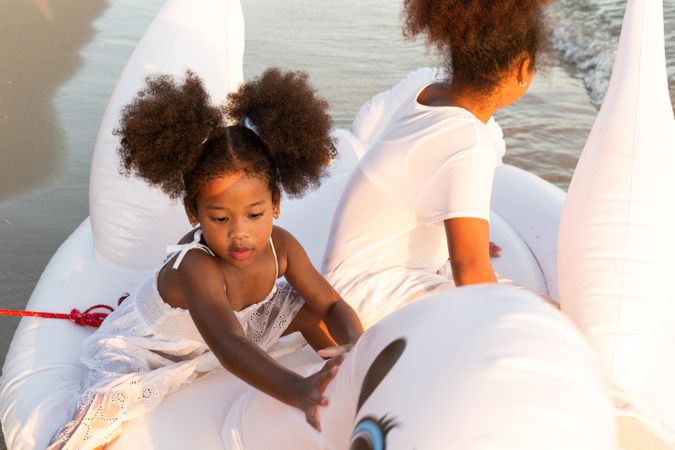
{"type": "Point", "coordinates": [238, 230]}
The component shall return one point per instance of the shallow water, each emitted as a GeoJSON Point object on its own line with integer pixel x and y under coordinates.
{"type": "Point", "coordinates": [352, 50]}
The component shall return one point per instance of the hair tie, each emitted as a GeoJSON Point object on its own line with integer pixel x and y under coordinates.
{"type": "Point", "coordinates": [246, 122]}
{"type": "Point", "coordinates": [208, 135]}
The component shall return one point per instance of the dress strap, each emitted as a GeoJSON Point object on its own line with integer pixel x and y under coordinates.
{"type": "Point", "coordinates": [184, 248]}
{"type": "Point", "coordinates": [276, 261]}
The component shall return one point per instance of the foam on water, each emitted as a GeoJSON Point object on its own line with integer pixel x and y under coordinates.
{"type": "Point", "coordinates": [585, 37]}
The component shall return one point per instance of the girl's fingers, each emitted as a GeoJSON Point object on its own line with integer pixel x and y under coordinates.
{"type": "Point", "coordinates": [320, 385]}
{"type": "Point", "coordinates": [312, 416]}
{"type": "Point", "coordinates": [327, 373]}
{"type": "Point", "coordinates": [333, 352]}
{"type": "Point", "coordinates": [313, 423]}
{"type": "Point", "coordinates": [330, 352]}
{"type": "Point", "coordinates": [318, 399]}
{"type": "Point", "coordinates": [323, 380]}
{"type": "Point", "coordinates": [334, 362]}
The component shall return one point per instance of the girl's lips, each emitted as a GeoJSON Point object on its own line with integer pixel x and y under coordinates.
{"type": "Point", "coordinates": [240, 254]}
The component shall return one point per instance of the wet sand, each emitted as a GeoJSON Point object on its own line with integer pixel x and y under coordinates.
{"type": "Point", "coordinates": [39, 44]}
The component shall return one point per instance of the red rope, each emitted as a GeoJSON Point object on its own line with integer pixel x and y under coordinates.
{"type": "Point", "coordinates": [86, 318]}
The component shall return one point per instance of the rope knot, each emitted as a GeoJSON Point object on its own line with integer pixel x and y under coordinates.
{"type": "Point", "coordinates": [89, 318]}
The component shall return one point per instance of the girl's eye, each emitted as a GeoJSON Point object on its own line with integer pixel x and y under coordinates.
{"type": "Point", "coordinates": [222, 219]}
{"type": "Point", "coordinates": [256, 215]}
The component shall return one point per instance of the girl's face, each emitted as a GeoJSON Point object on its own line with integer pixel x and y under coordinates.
{"type": "Point", "coordinates": [236, 213]}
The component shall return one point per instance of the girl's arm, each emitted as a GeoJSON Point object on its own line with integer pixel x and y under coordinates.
{"type": "Point", "coordinates": [341, 320]}
{"type": "Point", "coordinates": [469, 247]}
{"type": "Point", "coordinates": [202, 283]}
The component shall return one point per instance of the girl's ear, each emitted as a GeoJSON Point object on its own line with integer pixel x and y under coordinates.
{"type": "Point", "coordinates": [276, 204]}
{"type": "Point", "coordinates": [191, 211]}
{"type": "Point", "coordinates": [525, 70]}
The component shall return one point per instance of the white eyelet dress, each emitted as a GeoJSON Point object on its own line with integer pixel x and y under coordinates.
{"type": "Point", "coordinates": [147, 349]}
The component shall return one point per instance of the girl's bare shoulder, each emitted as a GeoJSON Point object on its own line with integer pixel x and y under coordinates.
{"type": "Point", "coordinates": [285, 245]}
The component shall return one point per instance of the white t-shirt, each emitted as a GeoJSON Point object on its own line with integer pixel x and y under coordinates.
{"type": "Point", "coordinates": [429, 164]}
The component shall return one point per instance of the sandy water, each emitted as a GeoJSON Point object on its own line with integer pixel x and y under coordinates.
{"type": "Point", "coordinates": [54, 88]}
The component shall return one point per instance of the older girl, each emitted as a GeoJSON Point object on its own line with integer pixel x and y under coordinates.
{"type": "Point", "coordinates": [421, 193]}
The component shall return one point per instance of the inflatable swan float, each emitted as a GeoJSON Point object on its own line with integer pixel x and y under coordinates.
{"type": "Point", "coordinates": [482, 367]}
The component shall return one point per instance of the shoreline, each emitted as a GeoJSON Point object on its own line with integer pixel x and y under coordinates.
{"type": "Point", "coordinates": [39, 53]}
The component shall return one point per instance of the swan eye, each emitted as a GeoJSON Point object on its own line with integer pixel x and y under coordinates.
{"type": "Point", "coordinates": [371, 434]}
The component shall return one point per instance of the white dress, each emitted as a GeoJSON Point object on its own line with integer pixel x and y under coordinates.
{"type": "Point", "coordinates": [388, 244]}
{"type": "Point", "coordinates": [147, 349]}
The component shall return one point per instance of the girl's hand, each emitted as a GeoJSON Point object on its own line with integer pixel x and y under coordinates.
{"type": "Point", "coordinates": [312, 389]}
{"type": "Point", "coordinates": [495, 250]}
{"type": "Point", "coordinates": [333, 352]}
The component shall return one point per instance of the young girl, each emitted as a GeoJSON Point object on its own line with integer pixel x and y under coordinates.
{"type": "Point", "coordinates": [421, 193]}
{"type": "Point", "coordinates": [215, 301]}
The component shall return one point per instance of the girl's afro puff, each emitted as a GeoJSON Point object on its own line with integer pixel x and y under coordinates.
{"type": "Point", "coordinates": [164, 129]}
{"type": "Point", "coordinates": [292, 121]}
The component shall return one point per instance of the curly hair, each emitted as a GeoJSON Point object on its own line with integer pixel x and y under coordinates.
{"type": "Point", "coordinates": [292, 122]}
{"type": "Point", "coordinates": [480, 39]}
{"type": "Point", "coordinates": [174, 138]}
